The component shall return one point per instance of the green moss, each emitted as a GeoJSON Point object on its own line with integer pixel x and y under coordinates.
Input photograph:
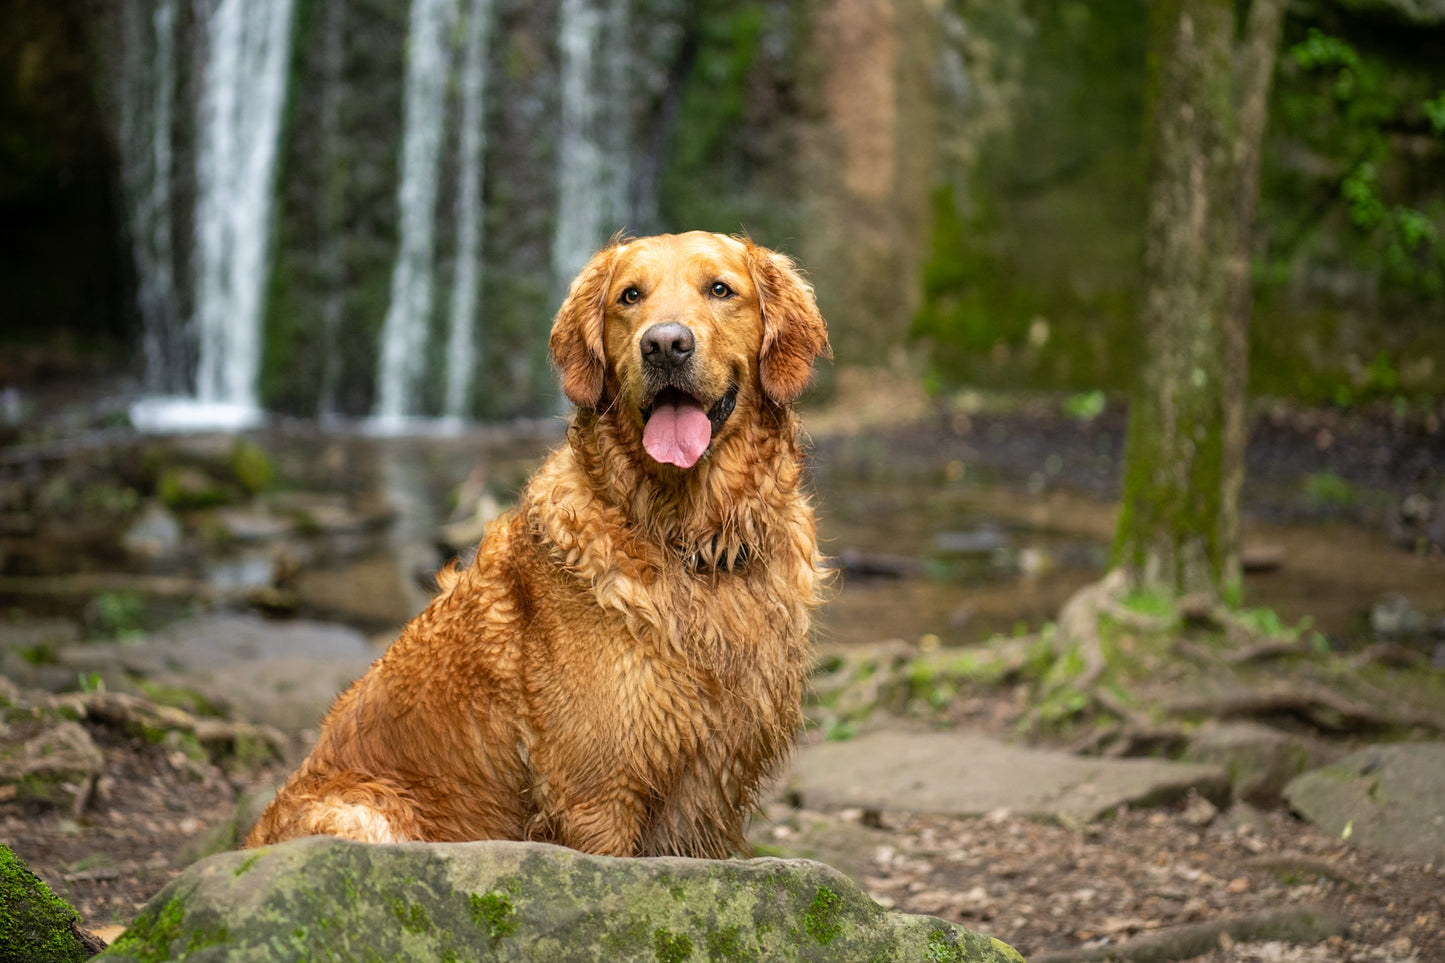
{"type": "Point", "coordinates": [183, 488]}
{"type": "Point", "coordinates": [35, 924]}
{"type": "Point", "coordinates": [245, 867]}
{"type": "Point", "coordinates": [178, 697]}
{"type": "Point", "coordinates": [821, 921]}
{"type": "Point", "coordinates": [670, 947]}
{"type": "Point", "coordinates": [725, 945]}
{"type": "Point", "coordinates": [941, 949]}
{"type": "Point", "coordinates": [149, 938]}
{"type": "Point", "coordinates": [252, 750]}
{"type": "Point", "coordinates": [413, 918]}
{"type": "Point", "coordinates": [252, 466]}
{"type": "Point", "coordinates": [494, 913]}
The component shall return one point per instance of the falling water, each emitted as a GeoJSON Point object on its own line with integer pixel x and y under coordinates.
{"type": "Point", "coordinates": [590, 194]}
{"type": "Point", "coordinates": [147, 112]}
{"type": "Point", "coordinates": [461, 341]}
{"type": "Point", "coordinates": [238, 124]}
{"type": "Point", "coordinates": [404, 330]}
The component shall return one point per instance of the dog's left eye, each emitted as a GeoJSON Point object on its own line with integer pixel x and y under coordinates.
{"type": "Point", "coordinates": [720, 290]}
{"type": "Point", "coordinates": [631, 296]}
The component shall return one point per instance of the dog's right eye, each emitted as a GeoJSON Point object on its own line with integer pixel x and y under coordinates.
{"type": "Point", "coordinates": [631, 296]}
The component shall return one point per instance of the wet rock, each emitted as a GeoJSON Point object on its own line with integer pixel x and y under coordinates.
{"type": "Point", "coordinates": [369, 591]}
{"type": "Point", "coordinates": [1260, 760]}
{"type": "Point", "coordinates": [967, 774]}
{"type": "Point", "coordinates": [155, 534]}
{"type": "Point", "coordinates": [286, 673]}
{"type": "Point", "coordinates": [186, 486]}
{"type": "Point", "coordinates": [253, 524]}
{"type": "Point", "coordinates": [1385, 798]}
{"type": "Point", "coordinates": [320, 897]}
{"type": "Point", "coordinates": [1395, 616]}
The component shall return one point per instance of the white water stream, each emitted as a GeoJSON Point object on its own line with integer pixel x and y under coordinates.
{"type": "Point", "coordinates": [461, 358]}
{"type": "Point", "coordinates": [404, 332]}
{"type": "Point", "coordinates": [247, 43]}
{"type": "Point", "coordinates": [591, 153]}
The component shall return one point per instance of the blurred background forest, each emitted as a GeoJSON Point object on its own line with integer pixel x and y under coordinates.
{"type": "Point", "coordinates": [964, 180]}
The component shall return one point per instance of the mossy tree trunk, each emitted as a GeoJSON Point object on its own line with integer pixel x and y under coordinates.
{"type": "Point", "coordinates": [1178, 532]}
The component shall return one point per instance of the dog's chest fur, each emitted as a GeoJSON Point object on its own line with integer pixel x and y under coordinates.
{"type": "Point", "coordinates": [694, 688]}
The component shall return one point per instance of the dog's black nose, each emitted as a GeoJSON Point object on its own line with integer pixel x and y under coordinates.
{"type": "Point", "coordinates": [667, 345]}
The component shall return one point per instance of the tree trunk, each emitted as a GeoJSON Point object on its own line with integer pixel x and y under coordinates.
{"type": "Point", "coordinates": [1169, 536]}
{"type": "Point", "coordinates": [1252, 80]}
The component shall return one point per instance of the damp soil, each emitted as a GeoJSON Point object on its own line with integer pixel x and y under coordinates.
{"type": "Point", "coordinates": [1022, 499]}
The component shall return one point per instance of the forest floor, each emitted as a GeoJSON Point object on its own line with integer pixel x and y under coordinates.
{"type": "Point", "coordinates": [1044, 887]}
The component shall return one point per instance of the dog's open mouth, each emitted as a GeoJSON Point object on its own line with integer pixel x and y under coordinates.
{"type": "Point", "coordinates": [679, 430]}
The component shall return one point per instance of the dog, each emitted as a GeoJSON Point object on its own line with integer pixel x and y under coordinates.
{"type": "Point", "coordinates": [621, 667]}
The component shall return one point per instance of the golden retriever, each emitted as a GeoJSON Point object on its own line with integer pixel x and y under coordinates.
{"type": "Point", "coordinates": [621, 667]}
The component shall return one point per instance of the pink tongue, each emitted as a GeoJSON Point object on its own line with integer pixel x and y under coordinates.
{"type": "Point", "coordinates": [677, 433]}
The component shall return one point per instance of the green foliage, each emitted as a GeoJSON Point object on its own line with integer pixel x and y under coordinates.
{"type": "Point", "coordinates": [1085, 406]}
{"type": "Point", "coordinates": [1326, 489]}
{"type": "Point", "coordinates": [1353, 117]}
{"type": "Point", "coordinates": [119, 614]}
{"type": "Point", "coordinates": [1435, 113]}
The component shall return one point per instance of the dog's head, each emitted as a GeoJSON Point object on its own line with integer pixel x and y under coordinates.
{"type": "Point", "coordinates": [679, 332]}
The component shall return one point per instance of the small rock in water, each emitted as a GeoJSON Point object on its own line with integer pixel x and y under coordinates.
{"type": "Point", "coordinates": [1394, 616]}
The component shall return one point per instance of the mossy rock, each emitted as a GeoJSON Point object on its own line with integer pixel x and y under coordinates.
{"type": "Point", "coordinates": [36, 926]}
{"type": "Point", "coordinates": [252, 466]}
{"type": "Point", "coordinates": [322, 898]}
{"type": "Point", "coordinates": [184, 487]}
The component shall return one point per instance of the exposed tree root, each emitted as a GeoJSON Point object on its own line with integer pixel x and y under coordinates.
{"type": "Point", "coordinates": [1317, 705]}
{"type": "Point", "coordinates": [1293, 924]}
{"type": "Point", "coordinates": [1078, 625]}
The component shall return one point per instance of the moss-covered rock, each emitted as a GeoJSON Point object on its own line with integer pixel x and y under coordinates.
{"type": "Point", "coordinates": [322, 898]}
{"type": "Point", "coordinates": [36, 926]}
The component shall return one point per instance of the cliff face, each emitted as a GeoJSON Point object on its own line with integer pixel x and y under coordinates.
{"type": "Point", "coordinates": [967, 171]}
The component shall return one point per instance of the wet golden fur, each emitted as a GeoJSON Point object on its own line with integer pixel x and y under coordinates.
{"type": "Point", "coordinates": [621, 667]}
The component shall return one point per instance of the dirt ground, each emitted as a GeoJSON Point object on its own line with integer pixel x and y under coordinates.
{"type": "Point", "coordinates": [1043, 888]}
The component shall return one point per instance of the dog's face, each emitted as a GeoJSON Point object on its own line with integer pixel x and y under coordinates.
{"type": "Point", "coordinates": [681, 333]}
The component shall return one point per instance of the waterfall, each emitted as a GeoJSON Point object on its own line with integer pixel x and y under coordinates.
{"type": "Point", "coordinates": [147, 113]}
{"type": "Point", "coordinates": [238, 125]}
{"type": "Point", "coordinates": [591, 149]}
{"type": "Point", "coordinates": [461, 339]}
{"type": "Point", "coordinates": [404, 331]}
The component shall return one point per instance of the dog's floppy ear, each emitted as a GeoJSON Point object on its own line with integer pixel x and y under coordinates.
{"type": "Point", "coordinates": [793, 330]}
{"type": "Point", "coordinates": [576, 342]}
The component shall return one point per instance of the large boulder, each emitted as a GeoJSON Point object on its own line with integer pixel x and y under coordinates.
{"type": "Point", "coordinates": [323, 898]}
{"type": "Point", "coordinates": [1384, 798]}
{"type": "Point", "coordinates": [1260, 759]}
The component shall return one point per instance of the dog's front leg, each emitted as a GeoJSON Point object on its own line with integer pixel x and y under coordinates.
{"type": "Point", "coordinates": [607, 826]}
